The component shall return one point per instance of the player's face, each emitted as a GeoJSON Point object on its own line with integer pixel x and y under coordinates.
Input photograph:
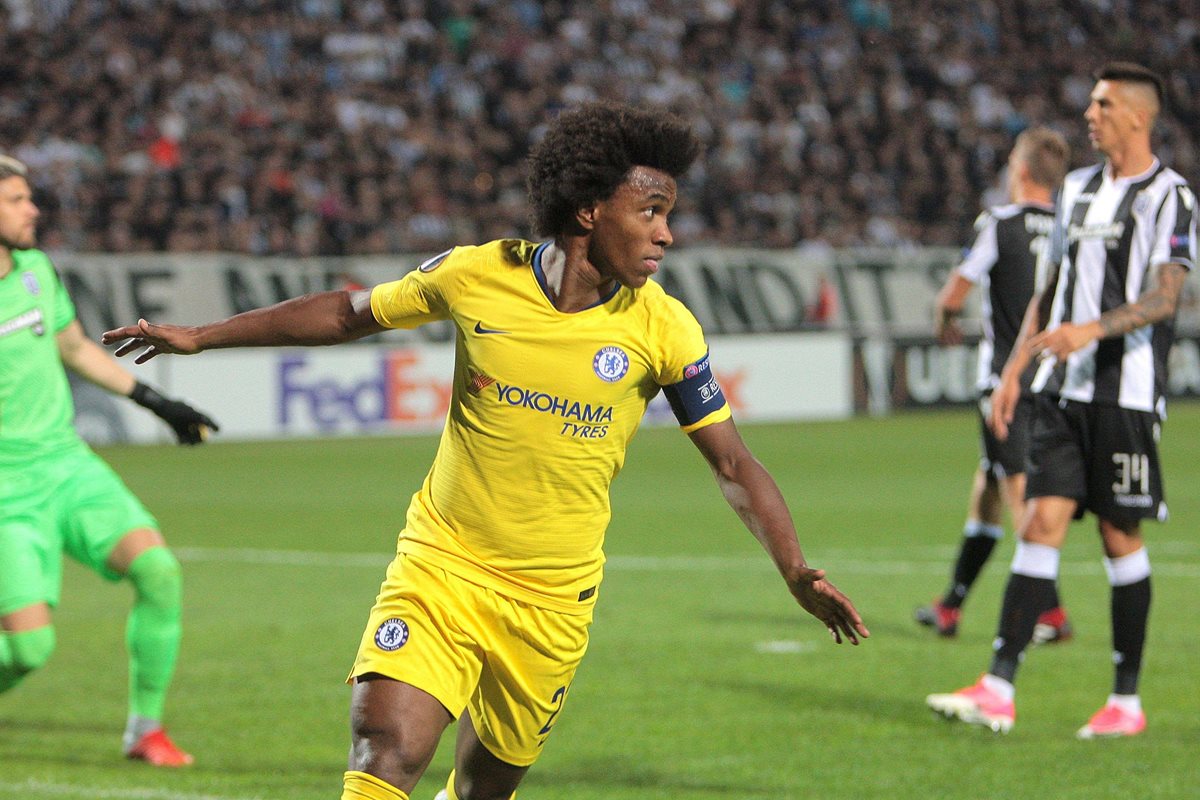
{"type": "Point", "coordinates": [1111, 117]}
{"type": "Point", "coordinates": [630, 233]}
{"type": "Point", "coordinates": [18, 214]}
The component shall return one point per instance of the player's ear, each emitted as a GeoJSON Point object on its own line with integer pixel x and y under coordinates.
{"type": "Point", "coordinates": [1143, 106]}
{"type": "Point", "coordinates": [1145, 118]}
{"type": "Point", "coordinates": [585, 218]}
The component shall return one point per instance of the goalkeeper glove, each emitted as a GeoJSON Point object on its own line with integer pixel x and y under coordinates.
{"type": "Point", "coordinates": [190, 426]}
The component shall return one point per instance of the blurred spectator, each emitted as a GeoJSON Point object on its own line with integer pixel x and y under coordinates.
{"type": "Point", "coordinates": [306, 127]}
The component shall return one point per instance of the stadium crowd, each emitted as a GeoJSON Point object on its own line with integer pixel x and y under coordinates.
{"type": "Point", "coordinates": [326, 127]}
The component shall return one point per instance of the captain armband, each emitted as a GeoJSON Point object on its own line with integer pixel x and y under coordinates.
{"type": "Point", "coordinates": [697, 395]}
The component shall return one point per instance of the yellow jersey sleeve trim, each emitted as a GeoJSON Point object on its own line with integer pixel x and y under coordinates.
{"type": "Point", "coordinates": [720, 415]}
{"type": "Point", "coordinates": [408, 302]}
{"type": "Point", "coordinates": [376, 312]}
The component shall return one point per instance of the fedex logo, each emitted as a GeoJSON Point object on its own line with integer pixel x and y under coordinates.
{"type": "Point", "coordinates": [387, 389]}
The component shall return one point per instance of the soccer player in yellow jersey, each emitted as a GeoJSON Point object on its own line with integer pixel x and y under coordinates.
{"type": "Point", "coordinates": [483, 616]}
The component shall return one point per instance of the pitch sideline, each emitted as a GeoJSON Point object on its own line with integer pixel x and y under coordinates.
{"type": "Point", "coordinates": [38, 788]}
{"type": "Point", "coordinates": [841, 560]}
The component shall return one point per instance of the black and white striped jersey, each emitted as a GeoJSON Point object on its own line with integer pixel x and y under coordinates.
{"type": "Point", "coordinates": [1003, 263]}
{"type": "Point", "coordinates": [1110, 237]}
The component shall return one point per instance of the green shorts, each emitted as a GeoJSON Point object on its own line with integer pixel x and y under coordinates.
{"type": "Point", "coordinates": [72, 502]}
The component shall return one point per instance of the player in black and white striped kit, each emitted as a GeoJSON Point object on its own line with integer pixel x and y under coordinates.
{"type": "Point", "coordinates": [1003, 262]}
{"type": "Point", "coordinates": [1124, 240]}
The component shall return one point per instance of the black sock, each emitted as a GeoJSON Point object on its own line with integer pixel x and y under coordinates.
{"type": "Point", "coordinates": [1130, 609]}
{"type": "Point", "coordinates": [972, 555]}
{"type": "Point", "coordinates": [1054, 601]}
{"type": "Point", "coordinates": [1025, 598]}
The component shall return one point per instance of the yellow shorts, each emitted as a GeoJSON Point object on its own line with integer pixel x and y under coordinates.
{"type": "Point", "coordinates": [508, 662]}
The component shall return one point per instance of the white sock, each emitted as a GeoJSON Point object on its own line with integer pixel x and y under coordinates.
{"type": "Point", "coordinates": [1129, 703]}
{"type": "Point", "coordinates": [1129, 568]}
{"type": "Point", "coordinates": [137, 727]}
{"type": "Point", "coordinates": [1036, 560]}
{"type": "Point", "coordinates": [999, 686]}
{"type": "Point", "coordinates": [975, 527]}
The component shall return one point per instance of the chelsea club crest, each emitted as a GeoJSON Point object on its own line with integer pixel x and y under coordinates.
{"type": "Point", "coordinates": [391, 634]}
{"type": "Point", "coordinates": [610, 364]}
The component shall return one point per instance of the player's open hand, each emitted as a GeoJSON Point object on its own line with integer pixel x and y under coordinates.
{"type": "Point", "coordinates": [824, 601]}
{"type": "Point", "coordinates": [1003, 407]}
{"type": "Point", "coordinates": [156, 339]}
{"type": "Point", "coordinates": [1065, 339]}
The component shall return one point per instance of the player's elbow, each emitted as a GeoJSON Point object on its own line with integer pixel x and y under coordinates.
{"type": "Point", "coordinates": [735, 468]}
{"type": "Point", "coordinates": [1158, 306]}
{"type": "Point", "coordinates": [354, 319]}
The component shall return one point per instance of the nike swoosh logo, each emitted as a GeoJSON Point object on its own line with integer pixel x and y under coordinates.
{"type": "Point", "coordinates": [480, 329]}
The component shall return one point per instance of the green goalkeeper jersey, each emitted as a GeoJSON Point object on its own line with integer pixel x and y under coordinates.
{"type": "Point", "coordinates": [36, 410]}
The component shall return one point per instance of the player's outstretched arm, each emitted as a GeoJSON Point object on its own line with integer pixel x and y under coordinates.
{"type": "Point", "coordinates": [90, 361]}
{"type": "Point", "coordinates": [754, 496]}
{"type": "Point", "coordinates": [315, 319]}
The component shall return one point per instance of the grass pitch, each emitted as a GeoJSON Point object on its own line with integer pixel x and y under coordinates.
{"type": "Point", "coordinates": [703, 680]}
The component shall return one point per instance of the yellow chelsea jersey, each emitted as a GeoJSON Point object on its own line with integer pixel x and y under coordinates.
{"type": "Point", "coordinates": [544, 405]}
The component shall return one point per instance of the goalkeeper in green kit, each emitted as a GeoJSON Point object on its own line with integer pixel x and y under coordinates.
{"type": "Point", "coordinates": [57, 496]}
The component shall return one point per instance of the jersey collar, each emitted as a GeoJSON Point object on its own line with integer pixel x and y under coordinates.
{"type": "Point", "coordinates": [1130, 179]}
{"type": "Point", "coordinates": [548, 252]}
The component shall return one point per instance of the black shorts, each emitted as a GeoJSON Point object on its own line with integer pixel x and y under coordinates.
{"type": "Point", "coordinates": [1003, 458]}
{"type": "Point", "coordinates": [1105, 457]}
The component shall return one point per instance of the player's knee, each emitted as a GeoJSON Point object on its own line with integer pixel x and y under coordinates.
{"type": "Point", "coordinates": [157, 578]}
{"type": "Point", "coordinates": [1036, 531]}
{"type": "Point", "coordinates": [29, 650]}
{"type": "Point", "coordinates": [384, 752]}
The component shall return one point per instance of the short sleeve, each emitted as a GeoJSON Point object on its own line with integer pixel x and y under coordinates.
{"type": "Point", "coordinates": [422, 295]}
{"type": "Point", "coordinates": [982, 256]}
{"type": "Point", "coordinates": [1175, 237]}
{"type": "Point", "coordinates": [685, 370]}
